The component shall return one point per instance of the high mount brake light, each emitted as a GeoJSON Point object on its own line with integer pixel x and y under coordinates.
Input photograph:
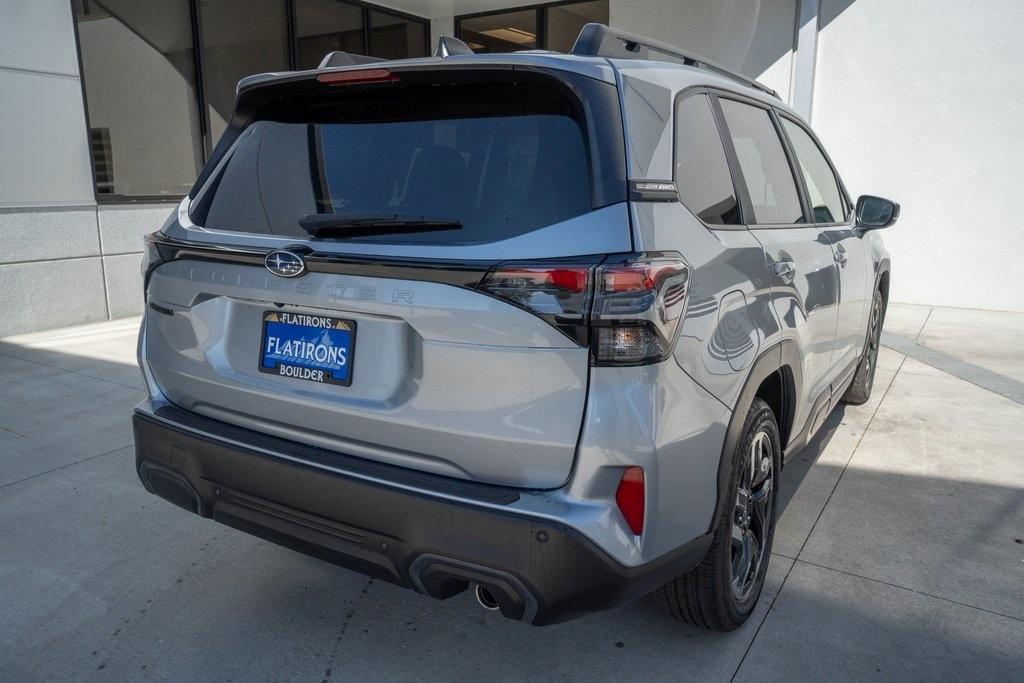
{"type": "Point", "coordinates": [357, 76]}
{"type": "Point", "coordinates": [632, 307]}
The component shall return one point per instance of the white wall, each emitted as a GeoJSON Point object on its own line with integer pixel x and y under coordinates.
{"type": "Point", "coordinates": [44, 157]}
{"type": "Point", "coordinates": [916, 100]}
{"type": "Point", "coordinates": [921, 101]}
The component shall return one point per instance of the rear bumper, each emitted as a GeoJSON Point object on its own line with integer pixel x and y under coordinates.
{"type": "Point", "coordinates": [432, 534]}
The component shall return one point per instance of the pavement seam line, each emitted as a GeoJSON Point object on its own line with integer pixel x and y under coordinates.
{"type": "Point", "coordinates": [5, 429]}
{"type": "Point", "coordinates": [64, 466]}
{"type": "Point", "coordinates": [983, 378]}
{"type": "Point", "coordinates": [74, 372]}
{"type": "Point", "coordinates": [924, 324]}
{"type": "Point", "coordinates": [912, 590]}
{"type": "Point", "coordinates": [782, 585]}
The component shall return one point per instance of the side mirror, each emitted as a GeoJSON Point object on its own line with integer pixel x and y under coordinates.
{"type": "Point", "coordinates": [875, 212]}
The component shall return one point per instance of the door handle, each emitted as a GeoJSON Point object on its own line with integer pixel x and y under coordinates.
{"type": "Point", "coordinates": [841, 257]}
{"type": "Point", "coordinates": [786, 270]}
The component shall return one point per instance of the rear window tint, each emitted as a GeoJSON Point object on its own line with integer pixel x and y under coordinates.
{"type": "Point", "coordinates": [764, 165]}
{"type": "Point", "coordinates": [519, 165]}
{"type": "Point", "coordinates": [702, 170]}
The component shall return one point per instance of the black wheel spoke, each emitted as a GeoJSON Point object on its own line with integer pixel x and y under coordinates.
{"type": "Point", "coordinates": [752, 514]}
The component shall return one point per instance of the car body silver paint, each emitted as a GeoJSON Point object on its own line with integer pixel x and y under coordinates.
{"type": "Point", "coordinates": [661, 430]}
{"type": "Point", "coordinates": [657, 417]}
{"type": "Point", "coordinates": [460, 383]}
{"type": "Point", "coordinates": [670, 418]}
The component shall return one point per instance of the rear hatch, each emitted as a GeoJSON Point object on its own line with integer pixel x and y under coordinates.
{"type": "Point", "coordinates": [397, 265]}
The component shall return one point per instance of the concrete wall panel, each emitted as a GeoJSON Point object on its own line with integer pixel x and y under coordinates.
{"type": "Point", "coordinates": [43, 142]}
{"type": "Point", "coordinates": [37, 35]}
{"type": "Point", "coordinates": [47, 294]}
{"type": "Point", "coordinates": [123, 279]}
{"type": "Point", "coordinates": [51, 233]}
{"type": "Point", "coordinates": [123, 227]}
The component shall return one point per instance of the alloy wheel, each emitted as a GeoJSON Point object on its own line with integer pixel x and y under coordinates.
{"type": "Point", "coordinates": [874, 337]}
{"type": "Point", "coordinates": [752, 515]}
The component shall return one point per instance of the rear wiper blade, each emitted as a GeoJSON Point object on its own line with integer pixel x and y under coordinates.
{"type": "Point", "coordinates": [356, 225]}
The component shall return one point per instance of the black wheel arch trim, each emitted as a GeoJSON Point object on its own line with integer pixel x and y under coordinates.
{"type": "Point", "coordinates": [780, 355]}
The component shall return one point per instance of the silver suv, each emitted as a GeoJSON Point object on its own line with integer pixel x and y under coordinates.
{"type": "Point", "coordinates": [538, 324]}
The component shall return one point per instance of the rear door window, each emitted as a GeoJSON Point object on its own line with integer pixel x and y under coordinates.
{"type": "Point", "coordinates": [501, 160]}
{"type": "Point", "coordinates": [763, 162]}
{"type": "Point", "coordinates": [702, 170]}
{"type": "Point", "coordinates": [822, 187]}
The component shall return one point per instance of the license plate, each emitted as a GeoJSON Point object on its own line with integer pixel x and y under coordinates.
{"type": "Point", "coordinates": [311, 347]}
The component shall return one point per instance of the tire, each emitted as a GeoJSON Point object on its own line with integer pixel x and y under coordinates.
{"type": "Point", "coordinates": [859, 390]}
{"type": "Point", "coordinates": [711, 595]}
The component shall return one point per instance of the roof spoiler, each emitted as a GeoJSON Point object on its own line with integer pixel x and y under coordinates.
{"type": "Point", "coordinates": [598, 40]}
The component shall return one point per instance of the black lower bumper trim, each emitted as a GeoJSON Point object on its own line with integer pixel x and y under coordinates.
{"type": "Point", "coordinates": [540, 571]}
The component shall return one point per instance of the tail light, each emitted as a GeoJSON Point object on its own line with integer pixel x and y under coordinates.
{"type": "Point", "coordinates": [637, 308]}
{"type": "Point", "coordinates": [627, 310]}
{"type": "Point", "coordinates": [560, 294]}
{"type": "Point", "coordinates": [630, 498]}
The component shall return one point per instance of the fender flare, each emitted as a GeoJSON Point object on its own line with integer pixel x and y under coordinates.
{"type": "Point", "coordinates": [883, 268]}
{"type": "Point", "coordinates": [773, 359]}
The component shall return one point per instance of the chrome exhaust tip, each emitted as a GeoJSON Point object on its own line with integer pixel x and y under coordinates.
{"type": "Point", "coordinates": [485, 598]}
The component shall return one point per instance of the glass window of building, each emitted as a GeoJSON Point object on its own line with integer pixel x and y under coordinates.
{"type": "Point", "coordinates": [563, 22]}
{"type": "Point", "coordinates": [323, 26]}
{"type": "Point", "coordinates": [240, 38]}
{"type": "Point", "coordinates": [151, 124]}
{"type": "Point", "coordinates": [504, 32]}
{"type": "Point", "coordinates": [395, 37]}
{"type": "Point", "coordinates": [138, 68]}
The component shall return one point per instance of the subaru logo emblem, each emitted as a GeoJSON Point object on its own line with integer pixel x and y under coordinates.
{"type": "Point", "coordinates": [285, 263]}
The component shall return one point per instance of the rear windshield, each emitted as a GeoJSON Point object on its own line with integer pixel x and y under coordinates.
{"type": "Point", "coordinates": [500, 159]}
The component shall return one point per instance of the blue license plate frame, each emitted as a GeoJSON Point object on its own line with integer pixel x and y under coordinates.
{"type": "Point", "coordinates": [307, 347]}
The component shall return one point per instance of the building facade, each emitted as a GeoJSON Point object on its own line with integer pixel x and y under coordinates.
{"type": "Point", "coordinates": [110, 108]}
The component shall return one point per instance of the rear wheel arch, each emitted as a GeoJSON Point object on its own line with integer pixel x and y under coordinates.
{"type": "Point", "coordinates": [775, 373]}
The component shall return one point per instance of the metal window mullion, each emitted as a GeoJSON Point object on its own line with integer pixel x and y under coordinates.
{"type": "Point", "coordinates": [541, 19]}
{"type": "Point", "coordinates": [199, 55]}
{"type": "Point", "coordinates": [293, 34]}
{"type": "Point", "coordinates": [366, 30]}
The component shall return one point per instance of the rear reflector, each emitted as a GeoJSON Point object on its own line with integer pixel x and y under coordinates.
{"type": "Point", "coordinates": [630, 498]}
{"type": "Point", "coordinates": [357, 76]}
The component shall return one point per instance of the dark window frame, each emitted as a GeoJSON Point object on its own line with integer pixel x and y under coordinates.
{"type": "Point", "coordinates": [540, 18]}
{"type": "Point", "coordinates": [198, 52]}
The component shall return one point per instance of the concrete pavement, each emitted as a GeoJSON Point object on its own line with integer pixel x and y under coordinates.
{"type": "Point", "coordinates": [899, 551]}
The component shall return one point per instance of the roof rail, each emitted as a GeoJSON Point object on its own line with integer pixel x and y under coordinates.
{"type": "Point", "coordinates": [339, 58]}
{"type": "Point", "coordinates": [448, 46]}
{"type": "Point", "coordinates": [597, 40]}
